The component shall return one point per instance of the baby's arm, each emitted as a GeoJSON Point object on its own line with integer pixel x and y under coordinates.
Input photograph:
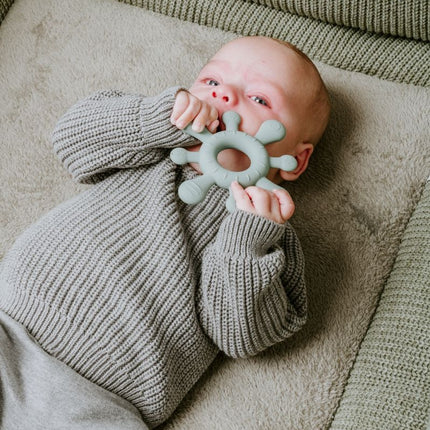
{"type": "Point", "coordinates": [112, 130]}
{"type": "Point", "coordinates": [252, 292]}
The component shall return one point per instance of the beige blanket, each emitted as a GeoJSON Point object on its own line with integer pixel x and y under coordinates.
{"type": "Point", "coordinates": [352, 204]}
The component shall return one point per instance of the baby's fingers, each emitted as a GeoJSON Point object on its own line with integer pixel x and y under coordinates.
{"type": "Point", "coordinates": [241, 197]}
{"type": "Point", "coordinates": [262, 200]}
{"type": "Point", "coordinates": [180, 105]}
{"type": "Point", "coordinates": [286, 204]}
{"type": "Point", "coordinates": [185, 109]}
{"type": "Point", "coordinates": [213, 126]}
{"type": "Point", "coordinates": [207, 116]}
{"type": "Point", "coordinates": [277, 206]}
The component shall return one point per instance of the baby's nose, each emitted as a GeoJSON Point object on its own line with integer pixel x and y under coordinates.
{"type": "Point", "coordinates": [227, 95]}
{"type": "Point", "coordinates": [224, 98]}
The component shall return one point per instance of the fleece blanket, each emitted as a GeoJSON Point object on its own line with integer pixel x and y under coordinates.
{"type": "Point", "coordinates": [364, 180]}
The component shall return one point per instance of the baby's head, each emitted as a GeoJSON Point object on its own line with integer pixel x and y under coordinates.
{"type": "Point", "coordinates": [262, 78]}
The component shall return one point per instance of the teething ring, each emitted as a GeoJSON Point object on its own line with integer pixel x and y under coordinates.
{"type": "Point", "coordinates": [194, 190]}
{"type": "Point", "coordinates": [251, 147]}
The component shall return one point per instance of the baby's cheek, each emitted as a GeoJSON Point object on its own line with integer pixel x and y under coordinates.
{"type": "Point", "coordinates": [253, 117]}
{"type": "Point", "coordinates": [250, 124]}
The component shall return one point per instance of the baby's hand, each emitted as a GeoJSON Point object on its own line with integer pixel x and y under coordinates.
{"type": "Point", "coordinates": [276, 205]}
{"type": "Point", "coordinates": [189, 108]}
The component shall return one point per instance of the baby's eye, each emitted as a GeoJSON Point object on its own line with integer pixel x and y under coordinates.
{"type": "Point", "coordinates": [212, 82]}
{"type": "Point", "coordinates": [259, 100]}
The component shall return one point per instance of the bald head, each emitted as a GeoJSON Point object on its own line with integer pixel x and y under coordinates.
{"type": "Point", "coordinates": [318, 101]}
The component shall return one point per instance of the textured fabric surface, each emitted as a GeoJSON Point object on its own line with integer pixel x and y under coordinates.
{"type": "Point", "coordinates": [405, 18]}
{"type": "Point", "coordinates": [391, 58]}
{"type": "Point", "coordinates": [42, 393]}
{"type": "Point", "coordinates": [352, 204]}
{"type": "Point", "coordinates": [134, 289]}
{"type": "Point", "coordinates": [389, 386]}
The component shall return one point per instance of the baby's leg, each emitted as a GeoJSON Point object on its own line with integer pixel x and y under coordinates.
{"type": "Point", "coordinates": [38, 391]}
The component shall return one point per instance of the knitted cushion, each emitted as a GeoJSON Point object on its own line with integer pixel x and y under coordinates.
{"type": "Point", "coordinates": [388, 57]}
{"type": "Point", "coordinates": [389, 386]}
{"type": "Point", "coordinates": [405, 18]}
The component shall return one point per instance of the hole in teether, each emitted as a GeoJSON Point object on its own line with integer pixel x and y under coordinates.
{"type": "Point", "coordinates": [234, 160]}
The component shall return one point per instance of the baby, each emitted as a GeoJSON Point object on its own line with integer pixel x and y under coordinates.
{"type": "Point", "coordinates": [260, 78]}
{"type": "Point", "coordinates": [115, 303]}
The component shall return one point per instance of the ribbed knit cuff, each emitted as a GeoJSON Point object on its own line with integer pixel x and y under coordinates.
{"type": "Point", "coordinates": [244, 234]}
{"type": "Point", "coordinates": [155, 115]}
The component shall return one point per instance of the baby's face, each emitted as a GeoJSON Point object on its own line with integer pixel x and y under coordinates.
{"type": "Point", "coordinates": [260, 79]}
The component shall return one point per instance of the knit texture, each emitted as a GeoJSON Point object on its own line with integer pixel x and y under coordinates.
{"type": "Point", "coordinates": [4, 7]}
{"type": "Point", "coordinates": [404, 18]}
{"type": "Point", "coordinates": [389, 386]}
{"type": "Point", "coordinates": [388, 57]}
{"type": "Point", "coordinates": [132, 288]}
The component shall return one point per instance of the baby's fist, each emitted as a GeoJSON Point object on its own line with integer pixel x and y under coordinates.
{"type": "Point", "coordinates": [276, 205]}
{"type": "Point", "coordinates": [188, 108]}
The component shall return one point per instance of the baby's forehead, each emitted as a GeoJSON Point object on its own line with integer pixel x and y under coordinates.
{"type": "Point", "coordinates": [263, 45]}
{"type": "Point", "coordinates": [265, 50]}
{"type": "Point", "coordinates": [280, 65]}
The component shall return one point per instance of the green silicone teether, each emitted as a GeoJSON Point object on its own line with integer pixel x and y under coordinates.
{"type": "Point", "coordinates": [194, 190]}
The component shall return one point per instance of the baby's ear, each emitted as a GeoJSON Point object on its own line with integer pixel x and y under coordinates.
{"type": "Point", "coordinates": [303, 154]}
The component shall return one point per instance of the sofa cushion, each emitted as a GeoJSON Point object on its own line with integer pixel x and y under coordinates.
{"type": "Point", "coordinates": [408, 18]}
{"type": "Point", "coordinates": [389, 385]}
{"type": "Point", "coordinates": [388, 57]}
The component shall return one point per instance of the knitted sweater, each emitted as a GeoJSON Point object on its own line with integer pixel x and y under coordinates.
{"type": "Point", "coordinates": [134, 289]}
